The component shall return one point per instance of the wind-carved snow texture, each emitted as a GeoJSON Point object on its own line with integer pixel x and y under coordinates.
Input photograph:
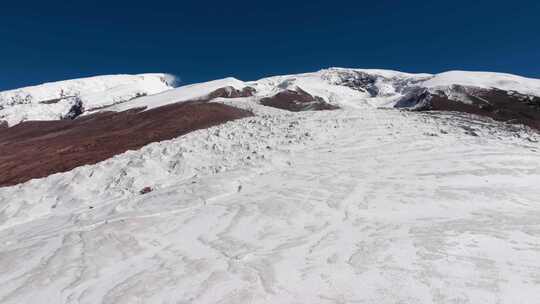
{"type": "Point", "coordinates": [361, 205]}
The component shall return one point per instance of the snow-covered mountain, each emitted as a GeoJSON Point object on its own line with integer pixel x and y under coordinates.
{"type": "Point", "coordinates": [337, 86]}
{"type": "Point", "coordinates": [237, 191]}
{"type": "Point", "coordinates": [56, 100]}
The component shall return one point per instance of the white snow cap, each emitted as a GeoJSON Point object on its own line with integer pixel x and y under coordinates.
{"type": "Point", "coordinates": [49, 101]}
{"type": "Point", "coordinates": [507, 82]}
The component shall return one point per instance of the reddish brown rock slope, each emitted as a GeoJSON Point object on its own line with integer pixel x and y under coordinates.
{"type": "Point", "coordinates": [296, 101]}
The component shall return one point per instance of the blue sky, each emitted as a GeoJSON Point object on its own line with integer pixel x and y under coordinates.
{"type": "Point", "coordinates": [202, 40]}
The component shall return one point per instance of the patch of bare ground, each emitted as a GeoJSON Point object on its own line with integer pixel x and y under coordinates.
{"type": "Point", "coordinates": [296, 101]}
{"type": "Point", "coordinates": [35, 149]}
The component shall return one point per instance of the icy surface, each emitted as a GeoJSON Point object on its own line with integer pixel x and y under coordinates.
{"type": "Point", "coordinates": [360, 205]}
{"type": "Point", "coordinates": [51, 101]}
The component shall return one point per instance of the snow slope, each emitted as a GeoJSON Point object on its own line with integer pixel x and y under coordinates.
{"type": "Point", "coordinates": [183, 93]}
{"type": "Point", "coordinates": [486, 80]}
{"type": "Point", "coordinates": [359, 205]}
{"type": "Point", "coordinates": [51, 101]}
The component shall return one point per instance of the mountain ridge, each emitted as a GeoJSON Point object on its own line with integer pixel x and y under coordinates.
{"type": "Point", "coordinates": [130, 102]}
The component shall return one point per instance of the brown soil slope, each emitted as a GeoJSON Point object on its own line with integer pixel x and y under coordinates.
{"type": "Point", "coordinates": [507, 106]}
{"type": "Point", "coordinates": [497, 104]}
{"type": "Point", "coordinates": [297, 101]}
{"type": "Point", "coordinates": [37, 149]}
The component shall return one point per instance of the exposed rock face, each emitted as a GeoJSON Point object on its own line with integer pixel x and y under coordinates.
{"type": "Point", "coordinates": [230, 92]}
{"type": "Point", "coordinates": [76, 109]}
{"type": "Point", "coordinates": [35, 149]}
{"type": "Point", "coordinates": [355, 80]}
{"type": "Point", "coordinates": [372, 83]}
{"type": "Point", "coordinates": [416, 98]}
{"type": "Point", "coordinates": [296, 101]}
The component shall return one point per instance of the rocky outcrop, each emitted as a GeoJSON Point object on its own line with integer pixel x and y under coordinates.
{"type": "Point", "coordinates": [415, 98]}
{"type": "Point", "coordinates": [77, 108]}
{"type": "Point", "coordinates": [296, 101]}
{"type": "Point", "coordinates": [230, 92]}
{"type": "Point", "coordinates": [355, 80]}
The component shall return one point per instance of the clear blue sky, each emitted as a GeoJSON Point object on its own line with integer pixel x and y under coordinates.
{"type": "Point", "coordinates": [202, 40]}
